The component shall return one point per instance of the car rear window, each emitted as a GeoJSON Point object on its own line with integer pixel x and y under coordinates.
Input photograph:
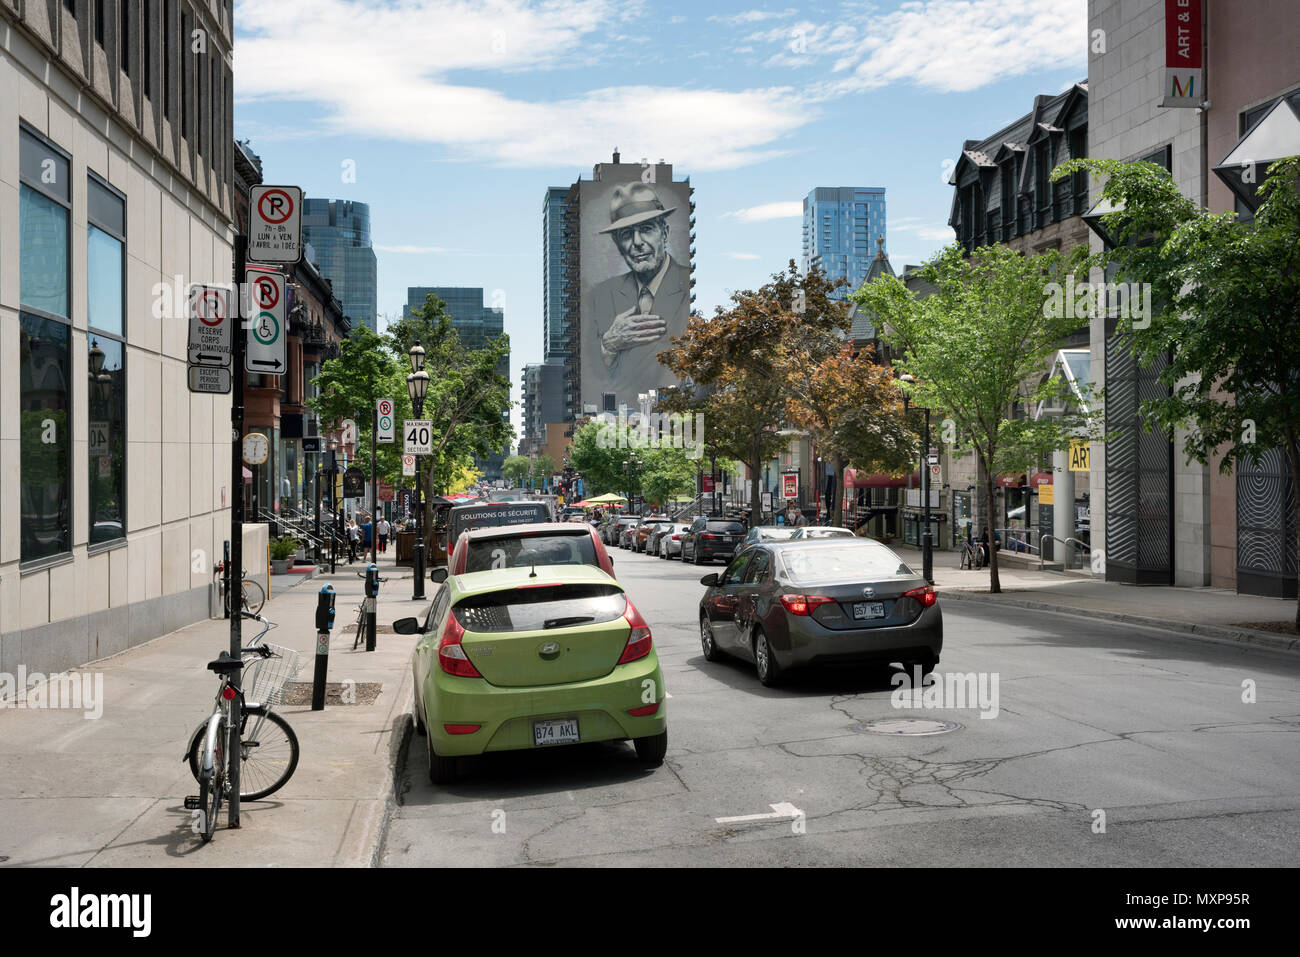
{"type": "Point", "coordinates": [776, 534]}
{"type": "Point", "coordinates": [861, 561]}
{"type": "Point", "coordinates": [727, 528]}
{"type": "Point", "coordinates": [525, 551]}
{"type": "Point", "coordinates": [540, 608]}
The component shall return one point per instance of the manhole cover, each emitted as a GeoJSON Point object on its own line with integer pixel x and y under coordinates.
{"type": "Point", "coordinates": [298, 693]}
{"type": "Point", "coordinates": [910, 726]}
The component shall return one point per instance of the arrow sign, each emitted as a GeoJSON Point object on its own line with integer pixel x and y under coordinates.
{"type": "Point", "coordinates": [780, 812]}
{"type": "Point", "coordinates": [211, 326]}
{"type": "Point", "coordinates": [266, 332]}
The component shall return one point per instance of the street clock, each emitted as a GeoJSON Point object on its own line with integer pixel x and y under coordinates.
{"type": "Point", "coordinates": [256, 448]}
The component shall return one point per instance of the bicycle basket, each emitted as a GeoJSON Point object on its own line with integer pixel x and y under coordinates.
{"type": "Point", "coordinates": [265, 678]}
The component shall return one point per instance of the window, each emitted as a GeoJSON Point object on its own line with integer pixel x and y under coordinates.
{"type": "Point", "coordinates": [185, 79]}
{"type": "Point", "coordinates": [44, 349]}
{"type": "Point", "coordinates": [124, 35]}
{"type": "Point", "coordinates": [106, 362]}
{"type": "Point", "coordinates": [99, 22]}
{"type": "Point", "coordinates": [167, 58]}
{"type": "Point", "coordinates": [146, 49]}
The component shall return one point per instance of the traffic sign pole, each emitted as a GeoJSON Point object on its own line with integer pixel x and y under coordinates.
{"type": "Point", "coordinates": [235, 567]}
{"type": "Point", "coordinates": [374, 491]}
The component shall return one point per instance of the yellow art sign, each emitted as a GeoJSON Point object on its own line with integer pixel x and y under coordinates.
{"type": "Point", "coordinates": [1078, 456]}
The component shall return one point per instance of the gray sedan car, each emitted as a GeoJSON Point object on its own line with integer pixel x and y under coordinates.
{"type": "Point", "coordinates": [824, 602]}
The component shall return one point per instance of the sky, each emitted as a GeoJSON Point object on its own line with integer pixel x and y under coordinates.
{"type": "Point", "coordinates": [452, 117]}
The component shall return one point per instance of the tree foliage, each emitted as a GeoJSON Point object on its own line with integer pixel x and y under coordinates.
{"type": "Point", "coordinates": [978, 347]}
{"type": "Point", "coordinates": [738, 364]}
{"type": "Point", "coordinates": [516, 469]}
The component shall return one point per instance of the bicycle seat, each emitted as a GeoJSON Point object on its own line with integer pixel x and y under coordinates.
{"type": "Point", "coordinates": [225, 664]}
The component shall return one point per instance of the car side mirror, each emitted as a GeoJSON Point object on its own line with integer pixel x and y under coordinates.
{"type": "Point", "coordinates": [407, 626]}
{"type": "Point", "coordinates": [438, 576]}
{"type": "Point", "coordinates": [709, 580]}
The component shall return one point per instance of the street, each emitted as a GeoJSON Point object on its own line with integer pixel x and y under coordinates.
{"type": "Point", "coordinates": [1112, 745]}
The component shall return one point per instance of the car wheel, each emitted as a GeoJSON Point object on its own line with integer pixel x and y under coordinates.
{"type": "Point", "coordinates": [707, 643]}
{"type": "Point", "coordinates": [695, 556]}
{"type": "Point", "coordinates": [650, 751]}
{"type": "Point", "coordinates": [441, 770]}
{"type": "Point", "coordinates": [420, 729]}
{"type": "Point", "coordinates": [769, 672]}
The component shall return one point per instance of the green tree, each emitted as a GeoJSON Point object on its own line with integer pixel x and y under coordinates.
{"type": "Point", "coordinates": [516, 469]}
{"type": "Point", "coordinates": [666, 472]}
{"type": "Point", "coordinates": [596, 453]}
{"type": "Point", "coordinates": [543, 471]}
{"type": "Point", "coordinates": [1226, 311]}
{"type": "Point", "coordinates": [978, 347]}
{"type": "Point", "coordinates": [739, 365]}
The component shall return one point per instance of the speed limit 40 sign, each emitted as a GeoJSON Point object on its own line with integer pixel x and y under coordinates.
{"type": "Point", "coordinates": [384, 421]}
{"type": "Point", "coordinates": [418, 435]}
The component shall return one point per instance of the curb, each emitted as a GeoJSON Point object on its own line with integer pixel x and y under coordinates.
{"type": "Point", "coordinates": [402, 729]}
{"type": "Point", "coordinates": [1213, 633]}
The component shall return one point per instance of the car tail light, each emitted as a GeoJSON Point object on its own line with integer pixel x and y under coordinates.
{"type": "Point", "coordinates": [804, 604]}
{"type": "Point", "coordinates": [709, 536]}
{"type": "Point", "coordinates": [677, 538]}
{"type": "Point", "coordinates": [644, 710]}
{"type": "Point", "coordinates": [638, 641]}
{"type": "Point", "coordinates": [927, 595]}
{"type": "Point", "coordinates": [451, 655]}
{"type": "Point", "coordinates": [461, 728]}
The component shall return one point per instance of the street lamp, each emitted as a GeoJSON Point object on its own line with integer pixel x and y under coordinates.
{"type": "Point", "coordinates": [927, 539]}
{"type": "Point", "coordinates": [335, 511]}
{"type": "Point", "coordinates": [417, 387]}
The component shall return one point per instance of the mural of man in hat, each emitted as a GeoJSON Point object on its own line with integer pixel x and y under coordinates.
{"type": "Point", "coordinates": [637, 311]}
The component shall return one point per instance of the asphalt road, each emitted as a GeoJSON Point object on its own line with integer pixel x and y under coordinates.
{"type": "Point", "coordinates": [1098, 723]}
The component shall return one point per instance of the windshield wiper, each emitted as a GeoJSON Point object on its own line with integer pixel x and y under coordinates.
{"type": "Point", "coordinates": [571, 620]}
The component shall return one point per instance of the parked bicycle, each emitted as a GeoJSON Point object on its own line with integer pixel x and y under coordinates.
{"type": "Point", "coordinates": [361, 616]}
{"type": "Point", "coordinates": [268, 746]}
{"type": "Point", "coordinates": [251, 595]}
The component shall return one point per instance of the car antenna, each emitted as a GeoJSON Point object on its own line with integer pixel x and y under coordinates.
{"type": "Point", "coordinates": [533, 572]}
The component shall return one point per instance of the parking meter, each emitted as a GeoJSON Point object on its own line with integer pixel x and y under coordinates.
{"type": "Point", "coordinates": [372, 595]}
{"type": "Point", "coordinates": [324, 622]}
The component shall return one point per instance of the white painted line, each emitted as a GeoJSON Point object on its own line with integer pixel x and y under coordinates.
{"type": "Point", "coordinates": [779, 812]}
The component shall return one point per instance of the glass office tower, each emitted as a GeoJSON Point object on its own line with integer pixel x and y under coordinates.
{"type": "Point", "coordinates": [339, 233]}
{"type": "Point", "coordinates": [840, 229]}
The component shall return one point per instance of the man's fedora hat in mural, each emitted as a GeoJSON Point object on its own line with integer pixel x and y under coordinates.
{"type": "Point", "coordinates": [634, 204]}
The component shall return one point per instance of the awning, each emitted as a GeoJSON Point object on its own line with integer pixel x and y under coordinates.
{"type": "Point", "coordinates": [1274, 136]}
{"type": "Point", "coordinates": [1011, 481]}
{"type": "Point", "coordinates": [881, 480]}
{"type": "Point", "coordinates": [1042, 478]}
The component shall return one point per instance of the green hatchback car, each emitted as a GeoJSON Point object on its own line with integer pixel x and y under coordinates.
{"type": "Point", "coordinates": [519, 658]}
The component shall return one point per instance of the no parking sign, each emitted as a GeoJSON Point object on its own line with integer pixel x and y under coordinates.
{"type": "Point", "coordinates": [386, 427]}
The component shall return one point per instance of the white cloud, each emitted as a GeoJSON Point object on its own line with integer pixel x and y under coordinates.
{"type": "Point", "coordinates": [913, 224]}
{"type": "Point", "coordinates": [754, 16]}
{"type": "Point", "coordinates": [743, 256]}
{"type": "Point", "coordinates": [792, 209]}
{"type": "Point", "coordinates": [382, 71]}
{"type": "Point", "coordinates": [944, 45]}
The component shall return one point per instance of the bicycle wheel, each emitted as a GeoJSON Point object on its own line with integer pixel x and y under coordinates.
{"type": "Point", "coordinates": [361, 630]}
{"type": "Point", "coordinates": [253, 597]}
{"type": "Point", "coordinates": [211, 788]}
{"type": "Point", "coordinates": [269, 755]}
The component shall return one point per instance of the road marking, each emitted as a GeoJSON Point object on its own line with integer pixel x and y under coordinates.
{"type": "Point", "coordinates": [779, 812]}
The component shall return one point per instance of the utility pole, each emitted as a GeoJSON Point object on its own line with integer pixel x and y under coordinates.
{"type": "Point", "coordinates": [235, 567]}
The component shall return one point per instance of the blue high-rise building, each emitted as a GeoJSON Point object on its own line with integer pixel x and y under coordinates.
{"type": "Point", "coordinates": [476, 324]}
{"type": "Point", "coordinates": [840, 228]}
{"type": "Point", "coordinates": [555, 327]}
{"type": "Point", "coordinates": [339, 233]}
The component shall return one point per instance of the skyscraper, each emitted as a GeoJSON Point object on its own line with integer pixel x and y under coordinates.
{"type": "Point", "coordinates": [339, 232]}
{"type": "Point", "coordinates": [555, 342]}
{"type": "Point", "coordinates": [476, 324]}
{"type": "Point", "coordinates": [840, 229]}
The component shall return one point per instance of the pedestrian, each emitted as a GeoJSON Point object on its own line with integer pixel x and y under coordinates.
{"type": "Point", "coordinates": [384, 529]}
{"type": "Point", "coordinates": [354, 539]}
{"type": "Point", "coordinates": [367, 534]}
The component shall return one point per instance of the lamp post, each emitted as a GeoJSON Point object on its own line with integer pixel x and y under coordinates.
{"type": "Point", "coordinates": [927, 539]}
{"type": "Point", "coordinates": [417, 387]}
{"type": "Point", "coordinates": [331, 470]}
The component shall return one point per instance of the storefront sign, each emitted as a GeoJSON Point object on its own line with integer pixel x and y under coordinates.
{"type": "Point", "coordinates": [1079, 455]}
{"type": "Point", "coordinates": [790, 485]}
{"type": "Point", "coordinates": [1184, 77]}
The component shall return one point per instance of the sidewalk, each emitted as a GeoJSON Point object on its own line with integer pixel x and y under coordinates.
{"type": "Point", "coordinates": [109, 791]}
{"type": "Point", "coordinates": [1210, 613]}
